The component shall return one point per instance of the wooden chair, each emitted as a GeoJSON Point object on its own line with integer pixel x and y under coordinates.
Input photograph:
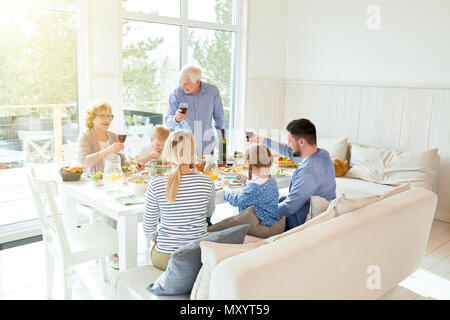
{"type": "Point", "coordinates": [89, 242]}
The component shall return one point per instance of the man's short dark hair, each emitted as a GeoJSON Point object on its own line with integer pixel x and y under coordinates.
{"type": "Point", "coordinates": [303, 128]}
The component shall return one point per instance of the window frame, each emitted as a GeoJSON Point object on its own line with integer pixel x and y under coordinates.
{"type": "Point", "coordinates": [237, 80]}
{"type": "Point", "coordinates": [31, 228]}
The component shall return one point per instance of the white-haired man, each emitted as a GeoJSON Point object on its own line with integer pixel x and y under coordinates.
{"type": "Point", "coordinates": [203, 105]}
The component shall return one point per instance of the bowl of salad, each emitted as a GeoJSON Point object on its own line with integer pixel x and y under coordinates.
{"type": "Point", "coordinates": [97, 178]}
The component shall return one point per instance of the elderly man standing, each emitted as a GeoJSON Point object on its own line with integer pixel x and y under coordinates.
{"type": "Point", "coordinates": [203, 105]}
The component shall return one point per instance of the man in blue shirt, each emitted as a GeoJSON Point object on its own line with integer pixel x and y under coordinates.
{"type": "Point", "coordinates": [314, 177]}
{"type": "Point", "coordinates": [203, 104]}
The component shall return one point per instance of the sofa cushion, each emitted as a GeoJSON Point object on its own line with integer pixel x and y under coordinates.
{"type": "Point", "coordinates": [336, 147]}
{"type": "Point", "coordinates": [130, 285]}
{"type": "Point", "coordinates": [200, 289]}
{"type": "Point", "coordinates": [212, 254]}
{"type": "Point", "coordinates": [317, 206]}
{"type": "Point", "coordinates": [185, 262]}
{"type": "Point", "coordinates": [344, 205]}
{"type": "Point", "coordinates": [355, 188]}
{"type": "Point", "coordinates": [393, 166]}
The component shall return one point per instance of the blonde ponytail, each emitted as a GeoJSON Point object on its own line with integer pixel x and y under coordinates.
{"type": "Point", "coordinates": [173, 183]}
{"type": "Point", "coordinates": [179, 149]}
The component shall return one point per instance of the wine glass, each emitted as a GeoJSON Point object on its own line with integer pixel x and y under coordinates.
{"type": "Point", "coordinates": [122, 137]}
{"type": "Point", "coordinates": [183, 107]}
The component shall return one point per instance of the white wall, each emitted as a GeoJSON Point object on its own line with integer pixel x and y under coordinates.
{"type": "Point", "coordinates": [100, 57]}
{"type": "Point", "coordinates": [266, 55]}
{"type": "Point", "coordinates": [383, 87]}
{"type": "Point", "coordinates": [330, 40]}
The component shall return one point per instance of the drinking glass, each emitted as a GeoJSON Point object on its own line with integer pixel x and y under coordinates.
{"type": "Point", "coordinates": [183, 107]}
{"type": "Point", "coordinates": [211, 168]}
{"type": "Point", "coordinates": [122, 137]}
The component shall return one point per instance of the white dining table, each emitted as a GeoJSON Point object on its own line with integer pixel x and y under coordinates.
{"type": "Point", "coordinates": [127, 216]}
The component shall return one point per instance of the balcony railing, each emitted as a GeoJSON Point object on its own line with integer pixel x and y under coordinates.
{"type": "Point", "coordinates": [57, 122]}
{"type": "Point", "coordinates": [57, 116]}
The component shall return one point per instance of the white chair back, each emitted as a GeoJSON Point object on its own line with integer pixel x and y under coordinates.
{"type": "Point", "coordinates": [49, 217]}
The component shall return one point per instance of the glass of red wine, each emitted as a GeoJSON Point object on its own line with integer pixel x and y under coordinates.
{"type": "Point", "coordinates": [122, 137]}
{"type": "Point", "coordinates": [183, 107]}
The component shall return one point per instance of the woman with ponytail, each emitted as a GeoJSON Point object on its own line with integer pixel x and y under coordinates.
{"type": "Point", "coordinates": [182, 200]}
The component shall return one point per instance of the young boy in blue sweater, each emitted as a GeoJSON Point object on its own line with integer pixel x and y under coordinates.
{"type": "Point", "coordinates": [258, 201]}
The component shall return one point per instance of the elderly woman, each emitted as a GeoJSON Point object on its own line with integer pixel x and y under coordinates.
{"type": "Point", "coordinates": [95, 144]}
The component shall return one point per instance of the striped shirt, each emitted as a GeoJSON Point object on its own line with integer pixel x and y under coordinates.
{"type": "Point", "coordinates": [185, 219]}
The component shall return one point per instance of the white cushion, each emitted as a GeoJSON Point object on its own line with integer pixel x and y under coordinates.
{"type": "Point", "coordinates": [393, 166]}
{"type": "Point", "coordinates": [200, 289]}
{"type": "Point", "coordinates": [212, 254]}
{"type": "Point", "coordinates": [131, 285]}
{"type": "Point", "coordinates": [316, 207]}
{"type": "Point", "coordinates": [355, 188]}
{"type": "Point", "coordinates": [344, 205]}
{"type": "Point", "coordinates": [336, 147]}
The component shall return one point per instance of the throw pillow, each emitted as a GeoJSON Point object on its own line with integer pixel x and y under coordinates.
{"type": "Point", "coordinates": [336, 147]}
{"type": "Point", "coordinates": [393, 166]}
{"type": "Point", "coordinates": [340, 167]}
{"type": "Point", "coordinates": [185, 263]}
{"type": "Point", "coordinates": [317, 206]}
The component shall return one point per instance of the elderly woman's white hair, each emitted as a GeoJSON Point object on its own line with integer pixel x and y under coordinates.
{"type": "Point", "coordinates": [194, 73]}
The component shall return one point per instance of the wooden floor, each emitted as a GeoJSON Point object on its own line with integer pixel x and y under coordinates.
{"type": "Point", "coordinates": [22, 272]}
{"type": "Point", "coordinates": [432, 279]}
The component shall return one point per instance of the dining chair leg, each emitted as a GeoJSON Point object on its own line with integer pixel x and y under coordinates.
{"type": "Point", "coordinates": [68, 274]}
{"type": "Point", "coordinates": [104, 271]}
{"type": "Point", "coordinates": [49, 270]}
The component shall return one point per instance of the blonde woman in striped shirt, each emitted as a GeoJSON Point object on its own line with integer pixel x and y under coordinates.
{"type": "Point", "coordinates": [182, 200]}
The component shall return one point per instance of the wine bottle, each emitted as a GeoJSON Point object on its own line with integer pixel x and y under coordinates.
{"type": "Point", "coordinates": [223, 148]}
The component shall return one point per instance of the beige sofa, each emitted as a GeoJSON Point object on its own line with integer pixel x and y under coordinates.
{"type": "Point", "coordinates": [359, 255]}
{"type": "Point", "coordinates": [331, 260]}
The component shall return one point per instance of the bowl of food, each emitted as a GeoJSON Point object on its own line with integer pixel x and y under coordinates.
{"type": "Point", "coordinates": [139, 185]}
{"type": "Point", "coordinates": [162, 167]}
{"type": "Point", "coordinates": [70, 173]}
{"type": "Point", "coordinates": [96, 178]}
{"type": "Point", "coordinates": [285, 162]}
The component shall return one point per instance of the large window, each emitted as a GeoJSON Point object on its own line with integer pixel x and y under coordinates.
{"type": "Point", "coordinates": [38, 95]}
{"type": "Point", "coordinates": [159, 37]}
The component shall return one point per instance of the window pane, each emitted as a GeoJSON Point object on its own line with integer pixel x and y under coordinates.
{"type": "Point", "coordinates": [151, 60]}
{"type": "Point", "coordinates": [218, 11]}
{"type": "Point", "coordinates": [169, 8]}
{"type": "Point", "coordinates": [38, 99]}
{"type": "Point", "coordinates": [213, 52]}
